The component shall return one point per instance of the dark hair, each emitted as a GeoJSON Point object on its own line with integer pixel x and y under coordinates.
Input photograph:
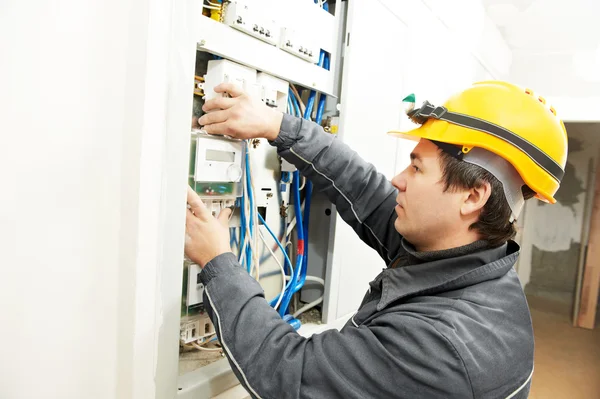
{"type": "Point", "coordinates": [494, 221]}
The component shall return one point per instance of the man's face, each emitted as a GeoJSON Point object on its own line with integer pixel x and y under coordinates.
{"type": "Point", "coordinates": [426, 214]}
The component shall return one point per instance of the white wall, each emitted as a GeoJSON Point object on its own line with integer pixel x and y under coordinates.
{"type": "Point", "coordinates": [397, 47]}
{"type": "Point", "coordinates": [73, 78]}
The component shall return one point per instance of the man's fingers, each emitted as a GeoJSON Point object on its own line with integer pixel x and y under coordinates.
{"type": "Point", "coordinates": [232, 89]}
{"type": "Point", "coordinates": [219, 103]}
{"type": "Point", "coordinates": [196, 204]}
{"type": "Point", "coordinates": [189, 218]}
{"type": "Point", "coordinates": [213, 117]}
{"type": "Point", "coordinates": [218, 128]}
{"type": "Point", "coordinates": [224, 216]}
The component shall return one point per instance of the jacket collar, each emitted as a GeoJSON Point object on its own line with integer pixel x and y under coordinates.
{"type": "Point", "coordinates": [447, 274]}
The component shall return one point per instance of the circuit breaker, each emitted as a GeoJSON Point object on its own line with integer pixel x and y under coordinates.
{"type": "Point", "coordinates": [248, 18]}
{"type": "Point", "coordinates": [298, 45]}
{"type": "Point", "coordinates": [274, 91]}
{"type": "Point", "coordinates": [225, 71]}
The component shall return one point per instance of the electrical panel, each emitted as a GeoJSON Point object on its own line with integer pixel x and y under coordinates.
{"type": "Point", "coordinates": [262, 48]}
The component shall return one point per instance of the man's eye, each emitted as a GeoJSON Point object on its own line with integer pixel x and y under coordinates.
{"type": "Point", "coordinates": [416, 168]}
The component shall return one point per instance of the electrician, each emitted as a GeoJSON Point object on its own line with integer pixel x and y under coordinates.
{"type": "Point", "coordinates": [447, 318]}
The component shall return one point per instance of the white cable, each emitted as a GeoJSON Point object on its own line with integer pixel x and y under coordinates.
{"type": "Point", "coordinates": [292, 224]}
{"type": "Point", "coordinates": [308, 307]}
{"type": "Point", "coordinates": [246, 226]}
{"type": "Point", "coordinates": [243, 252]}
{"type": "Point", "coordinates": [195, 345]}
{"type": "Point", "coordinates": [303, 183]}
{"type": "Point", "coordinates": [290, 227]}
{"type": "Point", "coordinates": [255, 253]}
{"type": "Point", "coordinates": [316, 280]}
{"type": "Point", "coordinates": [255, 261]}
{"type": "Point", "coordinates": [313, 303]}
{"type": "Point", "coordinates": [210, 7]}
{"type": "Point", "coordinates": [213, 4]}
{"type": "Point", "coordinates": [283, 276]}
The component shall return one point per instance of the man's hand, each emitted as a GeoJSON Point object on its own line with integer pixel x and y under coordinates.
{"type": "Point", "coordinates": [239, 116]}
{"type": "Point", "coordinates": [206, 236]}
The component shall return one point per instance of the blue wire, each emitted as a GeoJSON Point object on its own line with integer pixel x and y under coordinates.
{"type": "Point", "coordinates": [300, 257]}
{"type": "Point", "coordinates": [232, 237]}
{"type": "Point", "coordinates": [322, 97]}
{"type": "Point", "coordinates": [323, 62]}
{"type": "Point", "coordinates": [251, 214]}
{"type": "Point", "coordinates": [298, 274]}
{"type": "Point", "coordinates": [243, 225]}
{"type": "Point", "coordinates": [311, 97]}
{"type": "Point", "coordinates": [295, 103]}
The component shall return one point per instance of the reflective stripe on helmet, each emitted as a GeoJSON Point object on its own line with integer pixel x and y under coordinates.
{"type": "Point", "coordinates": [420, 115]}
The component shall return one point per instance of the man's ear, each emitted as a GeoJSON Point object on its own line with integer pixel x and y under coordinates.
{"type": "Point", "coordinates": [475, 199]}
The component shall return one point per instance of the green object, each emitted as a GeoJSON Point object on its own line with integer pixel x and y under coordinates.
{"type": "Point", "coordinates": [411, 98]}
{"type": "Point", "coordinates": [409, 102]}
{"type": "Point", "coordinates": [210, 189]}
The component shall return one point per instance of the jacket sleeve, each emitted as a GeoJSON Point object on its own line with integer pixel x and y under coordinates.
{"type": "Point", "coordinates": [364, 198]}
{"type": "Point", "coordinates": [394, 356]}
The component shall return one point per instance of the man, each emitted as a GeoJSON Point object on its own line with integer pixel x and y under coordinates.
{"type": "Point", "coordinates": [448, 317]}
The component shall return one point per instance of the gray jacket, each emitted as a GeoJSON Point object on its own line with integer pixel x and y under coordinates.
{"type": "Point", "coordinates": [451, 326]}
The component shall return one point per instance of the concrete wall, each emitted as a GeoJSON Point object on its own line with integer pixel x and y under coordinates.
{"type": "Point", "coordinates": [552, 233]}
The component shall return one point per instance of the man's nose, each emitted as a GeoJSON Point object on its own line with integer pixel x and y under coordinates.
{"type": "Point", "coordinates": [399, 181]}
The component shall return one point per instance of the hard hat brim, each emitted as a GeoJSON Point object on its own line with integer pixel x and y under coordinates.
{"type": "Point", "coordinates": [436, 131]}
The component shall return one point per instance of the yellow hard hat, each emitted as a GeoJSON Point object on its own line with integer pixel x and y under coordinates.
{"type": "Point", "coordinates": [506, 120]}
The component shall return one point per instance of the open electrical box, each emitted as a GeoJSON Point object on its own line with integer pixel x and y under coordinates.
{"type": "Point", "coordinates": [260, 47]}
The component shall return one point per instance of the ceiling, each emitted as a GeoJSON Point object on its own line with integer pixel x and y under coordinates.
{"type": "Point", "coordinates": [562, 36]}
{"type": "Point", "coordinates": [563, 26]}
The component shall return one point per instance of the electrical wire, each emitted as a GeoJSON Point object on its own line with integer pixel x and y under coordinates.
{"type": "Point", "coordinates": [283, 280]}
{"type": "Point", "coordinates": [300, 245]}
{"type": "Point", "coordinates": [256, 259]}
{"type": "Point", "coordinates": [298, 98]}
{"type": "Point", "coordinates": [295, 103]}
{"type": "Point", "coordinates": [290, 227]}
{"type": "Point", "coordinates": [251, 219]}
{"type": "Point", "coordinates": [323, 62]}
{"type": "Point", "coordinates": [250, 231]}
{"type": "Point", "coordinates": [303, 183]}
{"type": "Point", "coordinates": [315, 302]}
{"type": "Point", "coordinates": [308, 306]}
{"type": "Point", "coordinates": [286, 257]}
{"type": "Point", "coordinates": [202, 348]}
